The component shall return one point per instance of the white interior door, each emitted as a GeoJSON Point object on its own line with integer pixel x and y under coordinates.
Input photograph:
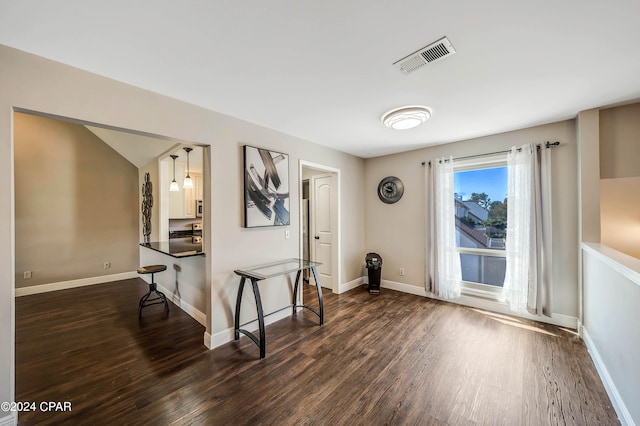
{"type": "Point", "coordinates": [322, 225]}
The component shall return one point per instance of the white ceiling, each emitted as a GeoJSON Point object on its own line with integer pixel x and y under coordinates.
{"type": "Point", "coordinates": [322, 70]}
{"type": "Point", "coordinates": [139, 150]}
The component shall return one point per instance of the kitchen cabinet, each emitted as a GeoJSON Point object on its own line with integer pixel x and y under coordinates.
{"type": "Point", "coordinates": [190, 200]}
{"type": "Point", "coordinates": [182, 204]}
{"type": "Point", "coordinates": [193, 194]}
{"type": "Point", "coordinates": [197, 182]}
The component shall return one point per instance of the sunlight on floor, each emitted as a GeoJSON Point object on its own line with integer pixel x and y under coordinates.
{"type": "Point", "coordinates": [505, 319]}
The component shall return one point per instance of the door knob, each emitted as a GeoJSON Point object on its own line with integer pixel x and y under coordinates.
{"type": "Point", "coordinates": [316, 237]}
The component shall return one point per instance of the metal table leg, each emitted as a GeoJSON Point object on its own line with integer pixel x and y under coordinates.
{"type": "Point", "coordinates": [256, 293]}
{"type": "Point", "coordinates": [315, 277]}
{"type": "Point", "coordinates": [236, 324]}
{"type": "Point", "coordinates": [294, 302]}
{"type": "Point", "coordinates": [261, 341]}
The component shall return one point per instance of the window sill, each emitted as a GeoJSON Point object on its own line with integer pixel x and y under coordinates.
{"type": "Point", "coordinates": [475, 290]}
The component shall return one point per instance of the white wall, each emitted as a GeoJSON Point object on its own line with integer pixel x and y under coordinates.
{"type": "Point", "coordinates": [32, 83]}
{"type": "Point", "coordinates": [397, 231]}
{"type": "Point", "coordinates": [612, 296]}
{"type": "Point", "coordinates": [609, 279]}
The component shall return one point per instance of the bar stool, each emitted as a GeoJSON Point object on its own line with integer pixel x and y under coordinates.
{"type": "Point", "coordinates": [145, 301]}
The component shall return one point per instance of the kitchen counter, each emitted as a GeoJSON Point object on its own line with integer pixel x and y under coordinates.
{"type": "Point", "coordinates": [176, 247]}
{"type": "Point", "coordinates": [185, 282]}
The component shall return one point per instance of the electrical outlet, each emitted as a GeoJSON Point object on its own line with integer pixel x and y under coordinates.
{"type": "Point", "coordinates": [402, 272]}
{"type": "Point", "coordinates": [27, 275]}
{"type": "Point", "coordinates": [107, 265]}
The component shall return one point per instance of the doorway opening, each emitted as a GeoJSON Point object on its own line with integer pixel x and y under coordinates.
{"type": "Point", "coordinates": [60, 188]}
{"type": "Point", "coordinates": [320, 221]}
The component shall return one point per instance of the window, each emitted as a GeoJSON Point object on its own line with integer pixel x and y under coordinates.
{"type": "Point", "coordinates": [481, 221]}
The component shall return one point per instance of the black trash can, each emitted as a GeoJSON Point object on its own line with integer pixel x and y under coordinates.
{"type": "Point", "coordinates": [374, 269]}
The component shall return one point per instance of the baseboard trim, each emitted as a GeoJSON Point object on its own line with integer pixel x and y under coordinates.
{"type": "Point", "coordinates": [207, 340]}
{"type": "Point", "coordinates": [405, 288]}
{"type": "Point", "coordinates": [10, 420]}
{"type": "Point", "coordinates": [580, 329]}
{"type": "Point", "coordinates": [64, 285]}
{"type": "Point", "coordinates": [618, 404]}
{"type": "Point", "coordinates": [566, 321]}
{"type": "Point", "coordinates": [193, 312]}
{"type": "Point", "coordinates": [220, 338]}
{"type": "Point", "coordinates": [351, 285]}
{"type": "Point", "coordinates": [227, 335]}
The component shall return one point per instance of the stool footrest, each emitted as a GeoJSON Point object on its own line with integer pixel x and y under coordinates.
{"type": "Point", "coordinates": [146, 301]}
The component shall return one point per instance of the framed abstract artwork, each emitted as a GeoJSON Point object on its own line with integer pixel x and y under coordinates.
{"type": "Point", "coordinates": [266, 188]}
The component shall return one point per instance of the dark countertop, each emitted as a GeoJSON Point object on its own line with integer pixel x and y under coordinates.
{"type": "Point", "coordinates": [176, 247]}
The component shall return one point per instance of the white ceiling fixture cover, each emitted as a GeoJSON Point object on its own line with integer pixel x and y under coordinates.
{"type": "Point", "coordinates": [406, 117]}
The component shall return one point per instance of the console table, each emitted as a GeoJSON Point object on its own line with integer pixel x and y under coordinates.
{"type": "Point", "coordinates": [270, 270]}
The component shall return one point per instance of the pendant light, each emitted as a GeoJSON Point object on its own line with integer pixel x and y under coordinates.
{"type": "Point", "coordinates": [188, 183]}
{"type": "Point", "coordinates": [174, 185]}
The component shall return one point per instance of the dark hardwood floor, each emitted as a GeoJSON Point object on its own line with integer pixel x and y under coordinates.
{"type": "Point", "coordinates": [387, 359]}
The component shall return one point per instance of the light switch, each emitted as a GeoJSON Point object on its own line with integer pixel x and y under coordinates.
{"type": "Point", "coordinates": [287, 234]}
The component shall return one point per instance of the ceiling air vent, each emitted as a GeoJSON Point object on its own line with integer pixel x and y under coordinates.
{"type": "Point", "coordinates": [431, 53]}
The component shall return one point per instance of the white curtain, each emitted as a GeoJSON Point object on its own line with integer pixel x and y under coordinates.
{"type": "Point", "coordinates": [527, 285]}
{"type": "Point", "coordinates": [444, 273]}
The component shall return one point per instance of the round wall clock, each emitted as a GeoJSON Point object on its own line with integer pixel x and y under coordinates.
{"type": "Point", "coordinates": [390, 189]}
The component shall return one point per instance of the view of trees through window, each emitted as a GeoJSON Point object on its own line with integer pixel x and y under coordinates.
{"type": "Point", "coordinates": [481, 222]}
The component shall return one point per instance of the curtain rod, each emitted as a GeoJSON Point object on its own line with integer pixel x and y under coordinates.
{"type": "Point", "coordinates": [546, 145]}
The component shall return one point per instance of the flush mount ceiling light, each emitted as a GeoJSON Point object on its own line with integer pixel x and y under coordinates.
{"type": "Point", "coordinates": [406, 117]}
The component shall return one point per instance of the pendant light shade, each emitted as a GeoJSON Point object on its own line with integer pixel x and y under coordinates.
{"type": "Point", "coordinates": [188, 183]}
{"type": "Point", "coordinates": [174, 185]}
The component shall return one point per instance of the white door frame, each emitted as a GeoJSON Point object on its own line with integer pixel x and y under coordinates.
{"type": "Point", "coordinates": [337, 246]}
